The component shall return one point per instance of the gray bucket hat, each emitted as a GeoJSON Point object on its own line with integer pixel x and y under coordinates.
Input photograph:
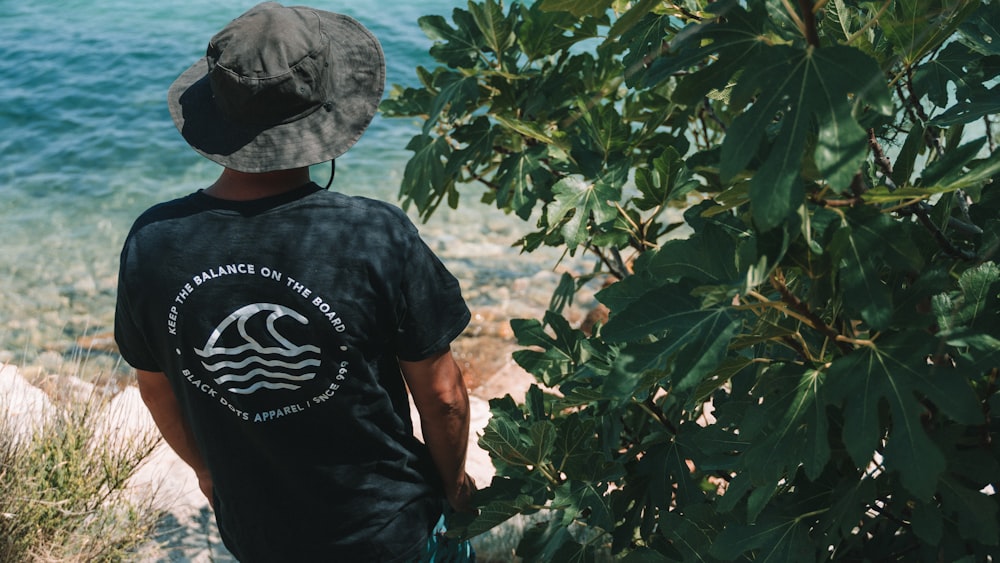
{"type": "Point", "coordinates": [279, 88]}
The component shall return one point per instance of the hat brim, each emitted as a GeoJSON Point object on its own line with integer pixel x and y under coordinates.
{"type": "Point", "coordinates": [358, 81]}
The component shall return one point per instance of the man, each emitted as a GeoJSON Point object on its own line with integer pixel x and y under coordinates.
{"type": "Point", "coordinates": [272, 323]}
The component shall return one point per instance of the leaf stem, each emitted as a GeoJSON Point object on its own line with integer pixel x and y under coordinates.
{"type": "Point", "coordinates": [794, 16]}
{"type": "Point", "coordinates": [635, 227]}
{"type": "Point", "coordinates": [648, 406]}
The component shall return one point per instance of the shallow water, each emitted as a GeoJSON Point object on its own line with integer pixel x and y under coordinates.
{"type": "Point", "coordinates": [87, 144]}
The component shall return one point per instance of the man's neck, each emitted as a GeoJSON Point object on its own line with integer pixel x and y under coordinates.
{"type": "Point", "coordinates": [245, 186]}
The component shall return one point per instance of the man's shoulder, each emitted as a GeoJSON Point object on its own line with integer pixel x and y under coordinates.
{"type": "Point", "coordinates": [172, 209]}
{"type": "Point", "coordinates": [375, 211]}
{"type": "Point", "coordinates": [365, 203]}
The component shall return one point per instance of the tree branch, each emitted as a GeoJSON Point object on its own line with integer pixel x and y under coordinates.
{"type": "Point", "coordinates": [778, 283]}
{"type": "Point", "coordinates": [920, 209]}
{"type": "Point", "coordinates": [989, 133]}
{"type": "Point", "coordinates": [620, 274]}
{"type": "Point", "coordinates": [809, 22]}
{"type": "Point", "coordinates": [946, 245]}
{"type": "Point", "coordinates": [881, 160]}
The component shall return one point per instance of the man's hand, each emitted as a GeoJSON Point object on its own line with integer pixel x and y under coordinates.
{"type": "Point", "coordinates": [460, 498]}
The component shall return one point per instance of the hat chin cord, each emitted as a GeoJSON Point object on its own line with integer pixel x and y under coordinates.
{"type": "Point", "coordinates": [333, 172]}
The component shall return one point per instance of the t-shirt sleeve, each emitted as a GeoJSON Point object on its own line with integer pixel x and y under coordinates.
{"type": "Point", "coordinates": [129, 337]}
{"type": "Point", "coordinates": [433, 312]}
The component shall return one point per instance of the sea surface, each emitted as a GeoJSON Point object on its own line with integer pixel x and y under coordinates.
{"type": "Point", "coordinates": [86, 144]}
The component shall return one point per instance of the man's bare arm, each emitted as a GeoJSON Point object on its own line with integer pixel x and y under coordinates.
{"type": "Point", "coordinates": [442, 400]}
{"type": "Point", "coordinates": [162, 404]}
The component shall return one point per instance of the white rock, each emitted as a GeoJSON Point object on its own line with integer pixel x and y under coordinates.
{"type": "Point", "coordinates": [24, 407]}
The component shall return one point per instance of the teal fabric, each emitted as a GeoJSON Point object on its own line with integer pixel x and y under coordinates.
{"type": "Point", "coordinates": [442, 549]}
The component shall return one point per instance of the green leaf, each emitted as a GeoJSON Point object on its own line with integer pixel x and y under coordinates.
{"type": "Point", "coordinates": [535, 404]}
{"type": "Point", "coordinates": [576, 200]}
{"type": "Point", "coordinates": [631, 17]}
{"type": "Point", "coordinates": [574, 452]}
{"type": "Point", "coordinates": [551, 541]}
{"type": "Point", "coordinates": [599, 137]}
{"type": "Point", "coordinates": [456, 47]}
{"type": "Point", "coordinates": [691, 531]}
{"type": "Point", "coordinates": [981, 172]}
{"type": "Point", "coordinates": [896, 373]}
{"type": "Point", "coordinates": [653, 313]}
{"type": "Point", "coordinates": [974, 511]}
{"type": "Point", "coordinates": [927, 522]}
{"type": "Point", "coordinates": [952, 165]}
{"type": "Point", "coordinates": [477, 147]}
{"type": "Point", "coordinates": [644, 41]}
{"type": "Point", "coordinates": [561, 355]}
{"type": "Point", "coordinates": [497, 512]}
{"type": "Point", "coordinates": [962, 310]}
{"type": "Point", "coordinates": [542, 437]}
{"type": "Point", "coordinates": [859, 250]}
{"type": "Point", "coordinates": [405, 102]}
{"type": "Point", "coordinates": [800, 435]}
{"type": "Point", "coordinates": [967, 112]}
{"type": "Point", "coordinates": [586, 501]}
{"type": "Point", "coordinates": [564, 293]}
{"type": "Point", "coordinates": [667, 179]}
{"type": "Point", "coordinates": [515, 180]}
{"type": "Point", "coordinates": [916, 27]}
{"type": "Point", "coordinates": [542, 32]}
{"type": "Point", "coordinates": [904, 166]}
{"type": "Point", "coordinates": [714, 49]}
{"type": "Point", "coordinates": [805, 89]}
{"type": "Point", "coordinates": [947, 72]}
{"type": "Point", "coordinates": [497, 29]}
{"type": "Point", "coordinates": [458, 96]}
{"type": "Point", "coordinates": [775, 540]}
{"type": "Point", "coordinates": [978, 290]}
{"type": "Point", "coordinates": [424, 176]}
{"type": "Point", "coordinates": [849, 500]}
{"type": "Point", "coordinates": [534, 131]}
{"type": "Point", "coordinates": [707, 257]}
{"type": "Point", "coordinates": [701, 336]}
{"type": "Point", "coordinates": [578, 8]}
{"type": "Point", "coordinates": [550, 366]}
{"type": "Point", "coordinates": [895, 243]}
{"type": "Point", "coordinates": [530, 332]}
{"type": "Point", "coordinates": [982, 29]}
{"type": "Point", "coordinates": [884, 195]}
{"type": "Point", "coordinates": [706, 351]}
{"type": "Point", "coordinates": [503, 439]}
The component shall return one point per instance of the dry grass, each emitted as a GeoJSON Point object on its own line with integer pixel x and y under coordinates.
{"type": "Point", "coordinates": [63, 493]}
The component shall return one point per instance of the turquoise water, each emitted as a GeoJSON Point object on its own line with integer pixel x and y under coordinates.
{"type": "Point", "coordinates": [87, 144]}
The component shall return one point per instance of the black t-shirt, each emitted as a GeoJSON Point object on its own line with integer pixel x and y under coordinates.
{"type": "Point", "coordinates": [279, 323]}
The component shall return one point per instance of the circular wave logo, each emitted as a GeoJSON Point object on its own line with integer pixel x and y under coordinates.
{"type": "Point", "coordinates": [247, 365]}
